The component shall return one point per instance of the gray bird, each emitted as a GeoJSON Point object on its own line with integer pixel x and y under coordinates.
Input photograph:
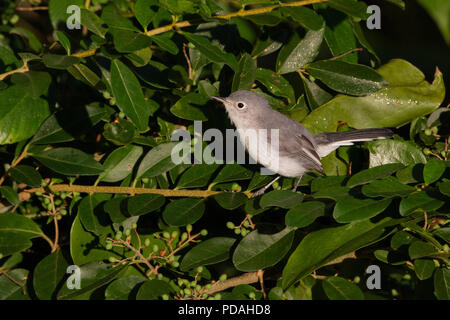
{"type": "Point", "coordinates": [299, 150]}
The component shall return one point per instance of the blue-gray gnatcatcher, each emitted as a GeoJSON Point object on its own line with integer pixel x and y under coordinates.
{"type": "Point", "coordinates": [298, 150]}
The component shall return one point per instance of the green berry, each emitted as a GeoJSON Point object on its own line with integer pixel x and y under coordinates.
{"type": "Point", "coordinates": [176, 264]}
{"type": "Point", "coordinates": [184, 236]}
{"type": "Point", "coordinates": [394, 292]}
{"type": "Point", "coordinates": [427, 132]}
{"type": "Point", "coordinates": [198, 287]}
{"type": "Point", "coordinates": [127, 232]}
{"type": "Point", "coordinates": [426, 151]}
{"type": "Point", "coordinates": [155, 248]}
{"type": "Point", "coordinates": [112, 259]}
{"type": "Point", "coordinates": [237, 231]}
{"type": "Point", "coordinates": [407, 277]}
{"type": "Point", "coordinates": [106, 95]}
{"type": "Point", "coordinates": [230, 225]}
{"type": "Point", "coordinates": [180, 283]}
{"type": "Point", "coordinates": [208, 286]}
{"type": "Point", "coordinates": [193, 284]}
{"type": "Point", "coordinates": [109, 246]}
{"type": "Point", "coordinates": [189, 228]}
{"type": "Point", "coordinates": [175, 234]}
{"type": "Point", "coordinates": [145, 180]}
{"type": "Point", "coordinates": [134, 225]}
{"type": "Point", "coordinates": [218, 296]}
{"type": "Point", "coordinates": [160, 276]}
{"type": "Point", "coordinates": [166, 235]}
{"type": "Point", "coordinates": [436, 263]}
{"type": "Point", "coordinates": [356, 279]}
{"type": "Point", "coordinates": [147, 242]}
{"type": "Point", "coordinates": [223, 277]}
{"type": "Point", "coordinates": [246, 224]}
{"type": "Point", "coordinates": [200, 269]}
{"type": "Point", "coordinates": [58, 202]}
{"type": "Point", "coordinates": [187, 291]}
{"type": "Point", "coordinates": [204, 232]}
{"type": "Point", "coordinates": [63, 212]}
{"type": "Point", "coordinates": [252, 295]}
{"type": "Point", "coordinates": [445, 248]}
{"type": "Point", "coordinates": [118, 235]}
{"type": "Point", "coordinates": [434, 130]}
{"type": "Point", "coordinates": [244, 232]}
{"type": "Point", "coordinates": [205, 295]}
{"type": "Point", "coordinates": [165, 297]}
{"type": "Point", "coordinates": [38, 193]}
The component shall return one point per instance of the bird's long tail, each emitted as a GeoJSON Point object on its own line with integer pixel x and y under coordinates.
{"type": "Point", "coordinates": [330, 141]}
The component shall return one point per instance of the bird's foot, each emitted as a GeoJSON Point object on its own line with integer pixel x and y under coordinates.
{"type": "Point", "coordinates": [258, 193]}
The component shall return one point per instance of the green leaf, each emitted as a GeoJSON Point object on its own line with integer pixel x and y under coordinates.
{"type": "Point", "coordinates": [276, 84]}
{"type": "Point", "coordinates": [128, 93]}
{"type": "Point", "coordinates": [16, 232]}
{"type": "Point", "coordinates": [232, 172]}
{"type": "Point", "coordinates": [197, 176]}
{"type": "Point", "coordinates": [245, 74]}
{"type": "Point", "coordinates": [144, 12]}
{"type": "Point", "coordinates": [153, 290]}
{"type": "Point", "coordinates": [433, 170]}
{"type": "Point", "coordinates": [34, 82]}
{"type": "Point", "coordinates": [89, 214]}
{"type": "Point", "coordinates": [297, 53]}
{"type": "Point", "coordinates": [33, 111]}
{"type": "Point", "coordinates": [57, 10]}
{"type": "Point", "coordinates": [371, 174]}
{"type": "Point", "coordinates": [340, 37]}
{"type": "Point", "coordinates": [212, 52]}
{"type": "Point", "coordinates": [443, 233]}
{"type": "Point", "coordinates": [281, 198]}
{"type": "Point", "coordinates": [129, 41]}
{"type": "Point", "coordinates": [14, 290]}
{"type": "Point", "coordinates": [65, 125]}
{"type": "Point", "coordinates": [157, 161]}
{"type": "Point", "coordinates": [424, 268]}
{"type": "Point", "coordinates": [439, 10]}
{"type": "Point", "coordinates": [120, 163]}
{"type": "Point", "coordinates": [308, 18]}
{"type": "Point", "coordinates": [322, 246]}
{"type": "Point", "coordinates": [93, 275]}
{"type": "Point", "coordinates": [122, 288]}
{"type": "Point", "coordinates": [185, 109]}
{"type": "Point", "coordinates": [352, 209]}
{"type": "Point", "coordinates": [48, 275]}
{"type": "Point", "coordinates": [258, 251]}
{"type": "Point", "coordinates": [357, 9]}
{"type": "Point", "coordinates": [442, 284]}
{"type": "Point", "coordinates": [82, 73]}
{"type": "Point", "coordinates": [400, 239]}
{"type": "Point", "coordinates": [93, 23]}
{"type": "Point", "coordinates": [166, 44]}
{"type": "Point", "coordinates": [387, 187]}
{"type": "Point", "coordinates": [184, 211]}
{"type": "Point", "coordinates": [144, 203]}
{"type": "Point", "coordinates": [10, 194]}
{"type": "Point", "coordinates": [393, 151]}
{"type": "Point", "coordinates": [407, 97]}
{"type": "Point", "coordinates": [348, 78]}
{"type": "Point", "coordinates": [419, 249]}
{"type": "Point", "coordinates": [419, 201]}
{"type": "Point", "coordinates": [230, 200]}
{"type": "Point", "coordinates": [304, 214]}
{"type": "Point", "coordinates": [64, 40]}
{"type": "Point", "coordinates": [337, 288]}
{"type": "Point", "coordinates": [208, 252]}
{"type": "Point", "coordinates": [315, 94]}
{"type": "Point", "coordinates": [69, 161]}
{"type": "Point", "coordinates": [25, 174]}
{"type": "Point", "coordinates": [444, 188]}
{"type": "Point", "coordinates": [60, 62]}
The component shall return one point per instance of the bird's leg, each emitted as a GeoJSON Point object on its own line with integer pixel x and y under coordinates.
{"type": "Point", "coordinates": [262, 190]}
{"type": "Point", "coordinates": [296, 185]}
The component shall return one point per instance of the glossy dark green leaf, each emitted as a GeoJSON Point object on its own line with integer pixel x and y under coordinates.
{"type": "Point", "coordinates": [424, 268]}
{"type": "Point", "coordinates": [340, 37]}
{"type": "Point", "coordinates": [14, 101]}
{"type": "Point", "coordinates": [419, 201]}
{"type": "Point", "coordinates": [299, 52]}
{"type": "Point", "coordinates": [433, 170]}
{"type": "Point", "coordinates": [393, 151]}
{"type": "Point", "coordinates": [308, 18]}
{"type": "Point", "coordinates": [352, 209]}
{"type": "Point", "coordinates": [158, 160]}
{"type": "Point", "coordinates": [315, 94]}
{"type": "Point", "coordinates": [144, 12]}
{"type": "Point", "coordinates": [14, 290]}
{"type": "Point", "coordinates": [186, 108]}
{"type": "Point", "coordinates": [120, 163]}
{"type": "Point", "coordinates": [442, 284]}
{"type": "Point", "coordinates": [444, 188]}
{"type": "Point", "coordinates": [400, 239]}
{"type": "Point", "coordinates": [65, 125]}
{"type": "Point", "coordinates": [89, 215]}
{"type": "Point", "coordinates": [64, 41]}
{"type": "Point", "coordinates": [144, 203]}
{"type": "Point", "coordinates": [16, 232]}
{"type": "Point", "coordinates": [10, 194]}
{"type": "Point", "coordinates": [372, 174]}
{"type": "Point", "coordinates": [165, 43]}
{"type": "Point", "coordinates": [357, 9]}
{"type": "Point", "coordinates": [34, 82]}
{"type": "Point", "coordinates": [419, 249]}
{"type": "Point", "coordinates": [25, 174]}
{"type": "Point", "coordinates": [93, 23]}
{"type": "Point", "coordinates": [212, 52]}
{"type": "Point", "coordinates": [120, 132]}
{"type": "Point", "coordinates": [12, 261]}
{"type": "Point", "coordinates": [275, 83]}
{"type": "Point", "coordinates": [232, 172]}
{"type": "Point", "coordinates": [258, 251]}
{"type": "Point", "coordinates": [230, 200]}
{"type": "Point", "coordinates": [348, 78]}
{"type": "Point", "coordinates": [197, 176]}
{"type": "Point", "coordinates": [305, 213]}
{"type": "Point", "coordinates": [245, 74]}
{"type": "Point", "coordinates": [281, 198]}
{"type": "Point", "coordinates": [129, 41]}
{"type": "Point", "coordinates": [128, 93]}
{"type": "Point", "coordinates": [122, 288]}
{"type": "Point", "coordinates": [207, 252]}
{"type": "Point", "coordinates": [60, 62]}
{"type": "Point", "coordinates": [93, 275]}
{"type": "Point", "coordinates": [69, 161]}
{"type": "Point", "coordinates": [153, 290]}
{"type": "Point", "coordinates": [184, 211]}
{"type": "Point", "coordinates": [321, 246]}
{"type": "Point", "coordinates": [337, 288]}
{"type": "Point", "coordinates": [443, 233]}
{"type": "Point", "coordinates": [387, 187]}
{"type": "Point", "coordinates": [48, 275]}
{"type": "Point", "coordinates": [84, 74]}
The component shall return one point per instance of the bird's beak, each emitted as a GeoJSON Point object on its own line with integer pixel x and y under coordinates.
{"type": "Point", "coordinates": [223, 100]}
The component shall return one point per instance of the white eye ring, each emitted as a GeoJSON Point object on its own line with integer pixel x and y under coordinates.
{"type": "Point", "coordinates": [241, 105]}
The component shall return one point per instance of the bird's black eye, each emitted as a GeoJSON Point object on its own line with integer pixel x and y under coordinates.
{"type": "Point", "coordinates": [241, 105]}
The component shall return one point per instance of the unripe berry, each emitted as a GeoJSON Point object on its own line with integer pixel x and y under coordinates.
{"type": "Point", "coordinates": [176, 264]}
{"type": "Point", "coordinates": [134, 225]}
{"type": "Point", "coordinates": [155, 247]}
{"type": "Point", "coordinates": [189, 228]}
{"type": "Point", "coordinates": [166, 235]}
{"type": "Point", "coordinates": [426, 151]}
{"type": "Point", "coordinates": [252, 295]}
{"type": "Point", "coordinates": [407, 277]}
{"type": "Point", "coordinates": [118, 235]}
{"type": "Point", "coordinates": [165, 297]}
{"type": "Point", "coordinates": [63, 212]}
{"type": "Point", "coordinates": [187, 291]}
{"type": "Point", "coordinates": [237, 231]}
{"type": "Point", "coordinates": [109, 246]}
{"type": "Point", "coordinates": [180, 282]}
{"type": "Point", "coordinates": [223, 277]}
{"type": "Point", "coordinates": [427, 132]}
{"type": "Point", "coordinates": [145, 180]}
{"type": "Point", "coordinates": [230, 225]}
{"type": "Point", "coordinates": [246, 224]}
{"type": "Point", "coordinates": [112, 259]}
{"type": "Point", "coordinates": [218, 296]}
{"type": "Point", "coordinates": [434, 130]}
{"type": "Point", "coordinates": [204, 232]}
{"type": "Point", "coordinates": [200, 269]}
{"type": "Point", "coordinates": [208, 286]}
{"type": "Point", "coordinates": [244, 232]}
{"type": "Point", "coordinates": [175, 234]}
{"type": "Point", "coordinates": [147, 242]}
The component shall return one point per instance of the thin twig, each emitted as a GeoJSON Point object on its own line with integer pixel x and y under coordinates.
{"type": "Point", "coordinates": [345, 53]}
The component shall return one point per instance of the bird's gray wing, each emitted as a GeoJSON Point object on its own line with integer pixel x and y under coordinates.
{"type": "Point", "coordinates": [299, 146]}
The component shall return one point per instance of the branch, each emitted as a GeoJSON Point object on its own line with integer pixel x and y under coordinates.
{"type": "Point", "coordinates": [246, 278]}
{"type": "Point", "coordinates": [22, 69]}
